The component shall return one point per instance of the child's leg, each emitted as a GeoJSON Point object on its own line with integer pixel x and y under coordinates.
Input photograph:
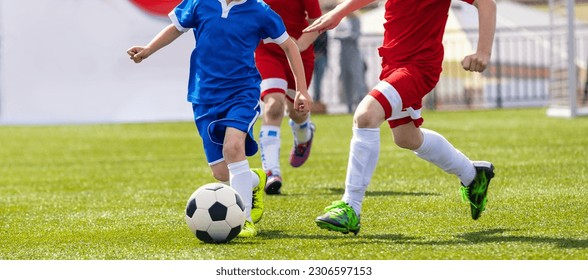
{"type": "Point", "coordinates": [437, 150]}
{"type": "Point", "coordinates": [301, 125]}
{"type": "Point", "coordinates": [269, 142]}
{"type": "Point", "coordinates": [249, 185]}
{"type": "Point", "coordinates": [246, 182]}
{"type": "Point", "coordinates": [364, 150]}
{"type": "Point", "coordinates": [299, 122]}
{"type": "Point", "coordinates": [242, 179]}
{"type": "Point", "coordinates": [343, 216]}
{"type": "Point", "coordinates": [363, 157]}
{"type": "Point", "coordinates": [303, 131]}
{"type": "Point", "coordinates": [240, 176]}
{"type": "Point", "coordinates": [269, 135]}
{"type": "Point", "coordinates": [301, 128]}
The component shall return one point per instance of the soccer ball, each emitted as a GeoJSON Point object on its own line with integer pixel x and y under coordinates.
{"type": "Point", "coordinates": [215, 213]}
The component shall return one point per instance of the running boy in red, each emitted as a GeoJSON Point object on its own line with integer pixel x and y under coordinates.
{"type": "Point", "coordinates": [278, 89]}
{"type": "Point", "coordinates": [412, 53]}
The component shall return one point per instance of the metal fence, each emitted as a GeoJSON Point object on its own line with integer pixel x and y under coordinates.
{"type": "Point", "coordinates": [518, 76]}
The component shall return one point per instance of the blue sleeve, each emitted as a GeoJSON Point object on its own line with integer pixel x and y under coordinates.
{"type": "Point", "coordinates": [183, 16]}
{"type": "Point", "coordinates": [274, 29]}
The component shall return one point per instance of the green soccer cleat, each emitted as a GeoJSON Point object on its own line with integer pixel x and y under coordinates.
{"type": "Point", "coordinates": [248, 230]}
{"type": "Point", "coordinates": [339, 217]}
{"type": "Point", "coordinates": [477, 191]}
{"type": "Point", "coordinates": [258, 193]}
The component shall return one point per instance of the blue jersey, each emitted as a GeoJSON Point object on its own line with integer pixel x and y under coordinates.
{"type": "Point", "coordinates": [222, 63]}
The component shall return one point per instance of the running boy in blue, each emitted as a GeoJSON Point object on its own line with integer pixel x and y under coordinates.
{"type": "Point", "coordinates": [224, 85]}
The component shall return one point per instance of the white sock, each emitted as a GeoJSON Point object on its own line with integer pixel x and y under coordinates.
{"type": "Point", "coordinates": [363, 157]}
{"type": "Point", "coordinates": [438, 151]}
{"type": "Point", "coordinates": [269, 142]}
{"type": "Point", "coordinates": [301, 131]}
{"type": "Point", "coordinates": [254, 180]}
{"type": "Point", "coordinates": [241, 180]}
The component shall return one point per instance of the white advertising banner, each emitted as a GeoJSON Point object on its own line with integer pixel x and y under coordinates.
{"type": "Point", "coordinates": [65, 62]}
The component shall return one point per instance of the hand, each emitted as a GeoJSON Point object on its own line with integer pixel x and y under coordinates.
{"type": "Point", "coordinates": [326, 22]}
{"type": "Point", "coordinates": [138, 54]}
{"type": "Point", "coordinates": [302, 102]}
{"type": "Point", "coordinates": [475, 62]}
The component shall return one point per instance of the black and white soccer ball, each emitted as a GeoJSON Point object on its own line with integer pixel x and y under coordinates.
{"type": "Point", "coordinates": [215, 213]}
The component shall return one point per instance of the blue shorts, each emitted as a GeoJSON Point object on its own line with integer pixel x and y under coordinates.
{"type": "Point", "coordinates": [212, 121]}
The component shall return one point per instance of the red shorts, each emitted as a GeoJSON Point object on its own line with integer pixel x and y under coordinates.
{"type": "Point", "coordinates": [401, 91]}
{"type": "Point", "coordinates": [276, 74]}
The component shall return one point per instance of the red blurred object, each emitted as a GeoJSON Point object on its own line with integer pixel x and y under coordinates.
{"type": "Point", "coordinates": [156, 7]}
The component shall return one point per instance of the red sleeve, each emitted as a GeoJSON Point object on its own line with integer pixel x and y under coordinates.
{"type": "Point", "coordinates": [469, 1]}
{"type": "Point", "coordinates": [313, 8]}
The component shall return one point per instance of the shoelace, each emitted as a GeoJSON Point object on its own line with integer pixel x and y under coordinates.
{"type": "Point", "coordinates": [300, 149]}
{"type": "Point", "coordinates": [336, 208]}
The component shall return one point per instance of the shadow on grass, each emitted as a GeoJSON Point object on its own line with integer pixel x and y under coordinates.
{"type": "Point", "coordinates": [349, 238]}
{"type": "Point", "coordinates": [486, 236]}
{"type": "Point", "coordinates": [340, 191]}
{"type": "Point", "coordinates": [494, 236]}
{"type": "Point", "coordinates": [490, 236]}
{"type": "Point", "coordinates": [385, 193]}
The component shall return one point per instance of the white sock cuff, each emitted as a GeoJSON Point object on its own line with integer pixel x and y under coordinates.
{"type": "Point", "coordinates": [367, 134]}
{"type": "Point", "coordinates": [424, 148]}
{"type": "Point", "coordinates": [265, 131]}
{"type": "Point", "coordinates": [254, 178]}
{"type": "Point", "coordinates": [239, 167]}
{"type": "Point", "coordinates": [298, 125]}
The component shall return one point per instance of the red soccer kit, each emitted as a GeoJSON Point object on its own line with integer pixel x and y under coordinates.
{"type": "Point", "coordinates": [412, 56]}
{"type": "Point", "coordinates": [271, 60]}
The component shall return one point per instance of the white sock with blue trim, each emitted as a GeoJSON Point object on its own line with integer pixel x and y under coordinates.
{"type": "Point", "coordinates": [269, 143]}
{"type": "Point", "coordinates": [301, 131]}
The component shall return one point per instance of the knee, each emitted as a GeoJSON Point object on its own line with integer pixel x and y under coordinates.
{"type": "Point", "coordinates": [360, 120]}
{"type": "Point", "coordinates": [369, 114]}
{"type": "Point", "coordinates": [233, 149]}
{"type": "Point", "coordinates": [365, 119]}
{"type": "Point", "coordinates": [274, 109]}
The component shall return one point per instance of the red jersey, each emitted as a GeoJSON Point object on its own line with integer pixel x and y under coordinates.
{"type": "Point", "coordinates": [414, 32]}
{"type": "Point", "coordinates": [294, 13]}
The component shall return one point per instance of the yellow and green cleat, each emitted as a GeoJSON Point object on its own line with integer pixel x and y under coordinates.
{"type": "Point", "coordinates": [257, 205]}
{"type": "Point", "coordinates": [248, 230]}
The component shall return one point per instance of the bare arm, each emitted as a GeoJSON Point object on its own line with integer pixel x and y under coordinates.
{"type": "Point", "coordinates": [331, 19]}
{"type": "Point", "coordinates": [487, 27]}
{"type": "Point", "coordinates": [302, 100]}
{"type": "Point", "coordinates": [162, 39]}
{"type": "Point", "coordinates": [307, 38]}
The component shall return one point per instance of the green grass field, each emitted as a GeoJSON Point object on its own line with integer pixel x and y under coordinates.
{"type": "Point", "coordinates": [118, 192]}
